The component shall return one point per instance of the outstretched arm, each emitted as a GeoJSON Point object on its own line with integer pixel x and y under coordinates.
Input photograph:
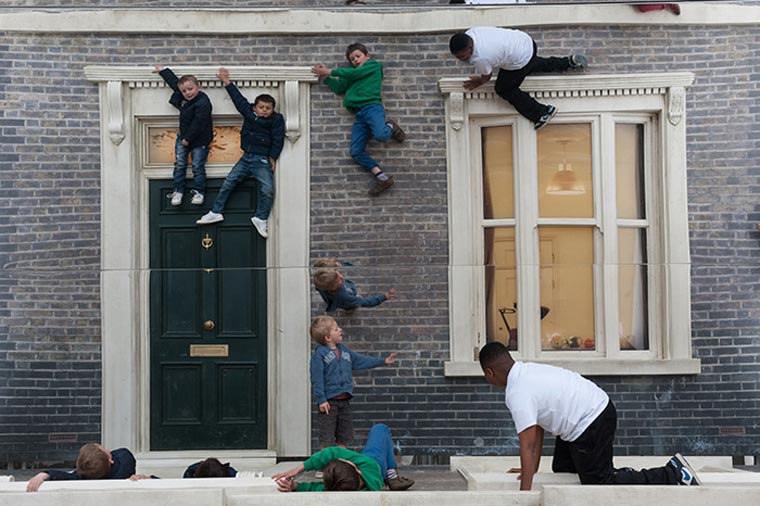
{"type": "Point", "coordinates": [531, 442]}
{"type": "Point", "coordinates": [34, 483]}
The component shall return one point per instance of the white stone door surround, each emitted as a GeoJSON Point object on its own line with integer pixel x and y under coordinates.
{"type": "Point", "coordinates": [130, 98]}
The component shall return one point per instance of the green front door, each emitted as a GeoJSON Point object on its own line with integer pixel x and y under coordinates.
{"type": "Point", "coordinates": [208, 343]}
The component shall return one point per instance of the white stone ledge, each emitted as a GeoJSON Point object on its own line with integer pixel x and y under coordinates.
{"type": "Point", "coordinates": [582, 84]}
{"type": "Point", "coordinates": [595, 367]}
{"type": "Point", "coordinates": [407, 498]}
{"type": "Point", "coordinates": [475, 464]}
{"type": "Point", "coordinates": [142, 76]}
{"type": "Point", "coordinates": [187, 497]}
{"type": "Point", "coordinates": [243, 485]}
{"type": "Point", "coordinates": [407, 19]}
{"type": "Point", "coordinates": [579, 495]}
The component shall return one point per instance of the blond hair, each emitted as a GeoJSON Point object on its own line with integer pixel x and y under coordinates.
{"type": "Point", "coordinates": [326, 279]}
{"type": "Point", "coordinates": [92, 462]}
{"type": "Point", "coordinates": [326, 262]}
{"type": "Point", "coordinates": [321, 327]}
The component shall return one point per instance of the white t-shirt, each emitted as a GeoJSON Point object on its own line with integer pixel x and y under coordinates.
{"type": "Point", "coordinates": [560, 401]}
{"type": "Point", "coordinates": [499, 48]}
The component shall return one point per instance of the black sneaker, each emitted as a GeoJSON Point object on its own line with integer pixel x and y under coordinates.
{"type": "Point", "coordinates": [396, 132]}
{"type": "Point", "coordinates": [551, 111]}
{"type": "Point", "coordinates": [578, 61]}
{"type": "Point", "coordinates": [685, 473]}
{"type": "Point", "coordinates": [380, 186]}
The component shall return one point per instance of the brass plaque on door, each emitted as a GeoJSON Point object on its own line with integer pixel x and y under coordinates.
{"type": "Point", "coordinates": [209, 350]}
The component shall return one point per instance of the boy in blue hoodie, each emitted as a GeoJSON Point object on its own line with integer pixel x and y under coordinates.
{"type": "Point", "coordinates": [332, 381]}
{"type": "Point", "coordinates": [261, 138]}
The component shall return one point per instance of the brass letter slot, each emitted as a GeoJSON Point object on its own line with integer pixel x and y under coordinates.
{"type": "Point", "coordinates": [209, 350]}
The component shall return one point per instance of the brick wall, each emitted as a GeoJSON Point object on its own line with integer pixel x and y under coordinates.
{"type": "Point", "coordinates": [49, 236]}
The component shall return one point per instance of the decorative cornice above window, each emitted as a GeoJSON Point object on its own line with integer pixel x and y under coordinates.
{"type": "Point", "coordinates": [568, 85]}
{"type": "Point", "coordinates": [288, 79]}
{"type": "Point", "coordinates": [575, 86]}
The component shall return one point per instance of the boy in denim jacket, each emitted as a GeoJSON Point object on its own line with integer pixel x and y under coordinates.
{"type": "Point", "coordinates": [332, 381]}
{"type": "Point", "coordinates": [261, 138]}
{"type": "Point", "coordinates": [361, 84]}
{"type": "Point", "coordinates": [339, 292]}
{"type": "Point", "coordinates": [195, 133]}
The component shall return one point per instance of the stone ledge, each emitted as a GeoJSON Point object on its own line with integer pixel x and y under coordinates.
{"type": "Point", "coordinates": [502, 463]}
{"type": "Point", "coordinates": [579, 495]}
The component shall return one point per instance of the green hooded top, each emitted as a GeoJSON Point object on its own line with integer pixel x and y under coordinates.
{"type": "Point", "coordinates": [367, 465]}
{"type": "Point", "coordinates": [359, 85]}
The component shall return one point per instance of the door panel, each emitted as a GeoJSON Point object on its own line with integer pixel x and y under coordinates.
{"type": "Point", "coordinates": [208, 324]}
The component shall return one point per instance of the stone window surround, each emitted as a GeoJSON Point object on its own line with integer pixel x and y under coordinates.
{"type": "Point", "coordinates": [131, 99]}
{"type": "Point", "coordinates": [660, 94]}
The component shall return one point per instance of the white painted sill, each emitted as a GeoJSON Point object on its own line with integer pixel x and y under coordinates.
{"type": "Point", "coordinates": [595, 367]}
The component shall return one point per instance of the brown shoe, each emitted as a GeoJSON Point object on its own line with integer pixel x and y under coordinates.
{"type": "Point", "coordinates": [399, 483]}
{"type": "Point", "coordinates": [396, 132]}
{"type": "Point", "coordinates": [380, 186]}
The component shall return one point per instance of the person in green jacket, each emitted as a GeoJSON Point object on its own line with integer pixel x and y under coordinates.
{"type": "Point", "coordinates": [346, 470]}
{"type": "Point", "coordinates": [360, 84]}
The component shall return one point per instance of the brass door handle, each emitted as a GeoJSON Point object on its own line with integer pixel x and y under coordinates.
{"type": "Point", "coordinates": [208, 325]}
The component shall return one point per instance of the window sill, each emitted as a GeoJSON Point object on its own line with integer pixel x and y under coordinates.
{"type": "Point", "coordinates": [595, 367]}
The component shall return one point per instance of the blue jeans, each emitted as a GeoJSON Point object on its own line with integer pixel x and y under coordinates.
{"type": "Point", "coordinates": [198, 156]}
{"type": "Point", "coordinates": [370, 119]}
{"type": "Point", "coordinates": [257, 167]}
{"type": "Point", "coordinates": [380, 447]}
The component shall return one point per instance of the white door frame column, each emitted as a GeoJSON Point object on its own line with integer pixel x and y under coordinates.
{"type": "Point", "coordinates": [130, 96]}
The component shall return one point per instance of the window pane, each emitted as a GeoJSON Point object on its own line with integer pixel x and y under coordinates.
{"type": "Point", "coordinates": [225, 148]}
{"type": "Point", "coordinates": [498, 175]}
{"type": "Point", "coordinates": [501, 286]}
{"type": "Point", "coordinates": [564, 171]}
{"type": "Point", "coordinates": [633, 300]}
{"type": "Point", "coordinates": [567, 287]}
{"type": "Point", "coordinates": [629, 171]}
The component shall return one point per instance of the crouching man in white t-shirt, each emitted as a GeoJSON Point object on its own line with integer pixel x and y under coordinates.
{"type": "Point", "coordinates": [514, 55]}
{"type": "Point", "coordinates": [543, 397]}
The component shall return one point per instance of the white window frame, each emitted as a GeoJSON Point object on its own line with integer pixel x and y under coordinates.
{"type": "Point", "coordinates": [657, 101]}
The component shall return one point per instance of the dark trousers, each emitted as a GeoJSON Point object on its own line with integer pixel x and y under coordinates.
{"type": "Point", "coordinates": [590, 456]}
{"type": "Point", "coordinates": [508, 83]}
{"type": "Point", "coordinates": [337, 426]}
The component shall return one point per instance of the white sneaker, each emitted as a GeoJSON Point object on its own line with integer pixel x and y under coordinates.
{"type": "Point", "coordinates": [197, 197]}
{"type": "Point", "coordinates": [210, 217]}
{"type": "Point", "coordinates": [176, 198]}
{"type": "Point", "coordinates": [261, 226]}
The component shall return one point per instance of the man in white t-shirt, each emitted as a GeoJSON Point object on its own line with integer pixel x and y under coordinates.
{"type": "Point", "coordinates": [543, 397]}
{"type": "Point", "coordinates": [514, 55]}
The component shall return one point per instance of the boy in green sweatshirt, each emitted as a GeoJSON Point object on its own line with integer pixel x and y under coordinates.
{"type": "Point", "coordinates": [346, 470]}
{"type": "Point", "coordinates": [361, 84]}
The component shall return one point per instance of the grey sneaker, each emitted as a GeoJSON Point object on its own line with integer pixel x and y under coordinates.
{"type": "Point", "coordinates": [261, 226]}
{"type": "Point", "coordinates": [578, 61]}
{"type": "Point", "coordinates": [685, 473]}
{"type": "Point", "coordinates": [551, 111]}
{"type": "Point", "coordinates": [197, 197]}
{"type": "Point", "coordinates": [176, 198]}
{"type": "Point", "coordinates": [396, 132]}
{"type": "Point", "coordinates": [210, 217]}
{"type": "Point", "coordinates": [380, 186]}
